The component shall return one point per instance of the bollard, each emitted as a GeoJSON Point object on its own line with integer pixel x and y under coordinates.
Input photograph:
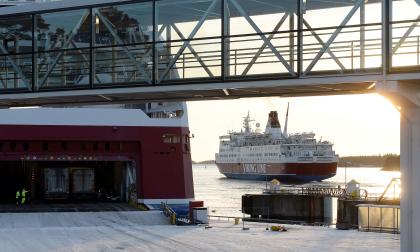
{"type": "Point", "coordinates": [173, 219]}
{"type": "Point", "coordinates": [236, 221]}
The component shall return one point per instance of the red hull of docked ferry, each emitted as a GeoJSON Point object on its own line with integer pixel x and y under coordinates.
{"type": "Point", "coordinates": [163, 170]}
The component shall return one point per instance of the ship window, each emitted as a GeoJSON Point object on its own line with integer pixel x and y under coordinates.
{"type": "Point", "coordinates": [1, 145]}
{"type": "Point", "coordinates": [176, 139]}
{"type": "Point", "coordinates": [64, 146]}
{"type": "Point", "coordinates": [169, 138]}
{"type": "Point", "coordinates": [45, 146]}
{"type": "Point", "coordinates": [95, 146]}
{"type": "Point", "coordinates": [107, 146]}
{"type": "Point", "coordinates": [82, 146]}
{"type": "Point", "coordinates": [12, 146]}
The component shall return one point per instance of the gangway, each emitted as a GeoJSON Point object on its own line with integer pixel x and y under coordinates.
{"type": "Point", "coordinates": [126, 51]}
{"type": "Point", "coordinates": [123, 51]}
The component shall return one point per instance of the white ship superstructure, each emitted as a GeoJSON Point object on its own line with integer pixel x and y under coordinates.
{"type": "Point", "coordinates": [274, 153]}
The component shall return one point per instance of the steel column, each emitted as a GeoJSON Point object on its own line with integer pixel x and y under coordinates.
{"type": "Point", "coordinates": [155, 59]}
{"type": "Point", "coordinates": [225, 39]}
{"type": "Point", "coordinates": [92, 58]}
{"type": "Point", "coordinates": [386, 36]}
{"type": "Point", "coordinates": [292, 40]}
{"type": "Point", "coordinates": [362, 35]}
{"type": "Point", "coordinates": [33, 51]}
{"type": "Point", "coordinates": [300, 11]}
{"type": "Point", "coordinates": [410, 176]}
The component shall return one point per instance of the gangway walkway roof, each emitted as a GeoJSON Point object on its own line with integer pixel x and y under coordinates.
{"type": "Point", "coordinates": [255, 7]}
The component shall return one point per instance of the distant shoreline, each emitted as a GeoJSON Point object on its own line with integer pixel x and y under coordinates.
{"type": "Point", "coordinates": [388, 162]}
{"type": "Point", "coordinates": [204, 162]}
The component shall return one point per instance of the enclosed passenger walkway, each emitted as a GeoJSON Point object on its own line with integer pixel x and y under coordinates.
{"type": "Point", "coordinates": [120, 51]}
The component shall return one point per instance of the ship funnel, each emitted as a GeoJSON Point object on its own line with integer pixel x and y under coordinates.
{"type": "Point", "coordinates": [286, 121]}
{"type": "Point", "coordinates": [273, 124]}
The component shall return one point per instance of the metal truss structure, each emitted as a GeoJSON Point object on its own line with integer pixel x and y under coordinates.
{"type": "Point", "coordinates": [203, 49]}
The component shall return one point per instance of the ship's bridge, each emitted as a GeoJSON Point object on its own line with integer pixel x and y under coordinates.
{"type": "Point", "coordinates": [90, 51]}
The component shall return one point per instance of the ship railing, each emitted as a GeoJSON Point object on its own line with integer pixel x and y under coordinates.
{"type": "Point", "coordinates": [168, 212]}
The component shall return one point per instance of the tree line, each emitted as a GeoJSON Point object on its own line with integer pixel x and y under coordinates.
{"type": "Point", "coordinates": [389, 162]}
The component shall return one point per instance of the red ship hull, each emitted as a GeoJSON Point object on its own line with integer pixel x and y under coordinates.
{"type": "Point", "coordinates": [282, 171]}
{"type": "Point", "coordinates": [163, 170]}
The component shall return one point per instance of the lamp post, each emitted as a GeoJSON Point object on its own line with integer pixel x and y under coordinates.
{"type": "Point", "coordinates": [345, 173]}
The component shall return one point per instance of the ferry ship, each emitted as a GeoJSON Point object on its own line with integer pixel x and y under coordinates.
{"type": "Point", "coordinates": [275, 154]}
{"type": "Point", "coordinates": [139, 153]}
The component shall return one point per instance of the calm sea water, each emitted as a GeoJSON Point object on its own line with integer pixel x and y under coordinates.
{"type": "Point", "coordinates": [223, 196]}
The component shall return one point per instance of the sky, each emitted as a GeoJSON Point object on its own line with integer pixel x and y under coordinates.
{"type": "Point", "coordinates": [357, 124]}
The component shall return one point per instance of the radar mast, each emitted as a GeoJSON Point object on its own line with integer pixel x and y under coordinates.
{"type": "Point", "coordinates": [247, 123]}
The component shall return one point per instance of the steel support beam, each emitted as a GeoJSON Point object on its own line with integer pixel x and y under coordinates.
{"type": "Point", "coordinates": [225, 39]}
{"type": "Point", "coordinates": [406, 35]}
{"type": "Point", "coordinates": [362, 35]}
{"type": "Point", "coordinates": [85, 59]}
{"type": "Point", "coordinates": [150, 50]}
{"type": "Point", "coordinates": [333, 36]}
{"type": "Point", "coordinates": [300, 11]}
{"type": "Point", "coordinates": [187, 42]}
{"type": "Point", "coordinates": [2, 81]}
{"type": "Point", "coordinates": [155, 39]}
{"type": "Point", "coordinates": [138, 64]}
{"type": "Point", "coordinates": [292, 41]}
{"type": "Point", "coordinates": [94, 28]}
{"type": "Point", "coordinates": [386, 37]}
{"type": "Point", "coordinates": [15, 67]}
{"type": "Point", "coordinates": [263, 37]}
{"type": "Point", "coordinates": [65, 46]}
{"type": "Point", "coordinates": [168, 44]}
{"type": "Point", "coordinates": [269, 38]}
{"type": "Point", "coordinates": [321, 42]}
{"type": "Point", "coordinates": [194, 53]}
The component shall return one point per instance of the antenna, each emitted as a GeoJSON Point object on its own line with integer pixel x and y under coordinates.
{"type": "Point", "coordinates": [285, 123]}
{"type": "Point", "coordinates": [247, 123]}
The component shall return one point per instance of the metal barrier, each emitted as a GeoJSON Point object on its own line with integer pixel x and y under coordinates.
{"type": "Point", "coordinates": [311, 190]}
{"type": "Point", "coordinates": [167, 211]}
{"type": "Point", "coordinates": [379, 218]}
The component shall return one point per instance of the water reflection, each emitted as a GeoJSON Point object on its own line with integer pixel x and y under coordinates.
{"type": "Point", "coordinates": [223, 196]}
